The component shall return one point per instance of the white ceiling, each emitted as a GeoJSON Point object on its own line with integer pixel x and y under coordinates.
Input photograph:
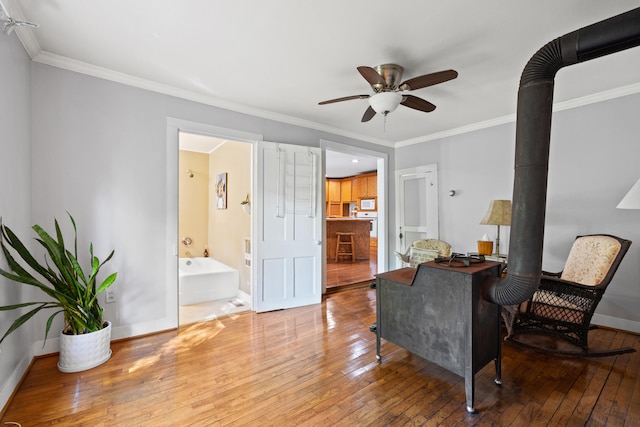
{"type": "Point", "coordinates": [278, 58]}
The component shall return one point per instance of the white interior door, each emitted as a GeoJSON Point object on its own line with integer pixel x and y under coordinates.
{"type": "Point", "coordinates": [289, 227]}
{"type": "Point", "coordinates": [417, 207]}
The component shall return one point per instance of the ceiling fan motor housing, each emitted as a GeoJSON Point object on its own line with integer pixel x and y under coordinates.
{"type": "Point", "coordinates": [392, 75]}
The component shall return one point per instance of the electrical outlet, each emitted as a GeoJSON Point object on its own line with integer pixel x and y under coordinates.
{"type": "Point", "coordinates": [111, 295]}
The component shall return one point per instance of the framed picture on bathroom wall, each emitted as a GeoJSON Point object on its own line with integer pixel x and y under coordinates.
{"type": "Point", "coordinates": [221, 191]}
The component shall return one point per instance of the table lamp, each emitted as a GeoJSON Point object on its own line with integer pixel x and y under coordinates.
{"type": "Point", "coordinates": [499, 213]}
{"type": "Point", "coordinates": [632, 199]}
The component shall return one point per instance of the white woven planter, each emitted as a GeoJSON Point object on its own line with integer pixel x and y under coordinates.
{"type": "Point", "coordinates": [86, 351]}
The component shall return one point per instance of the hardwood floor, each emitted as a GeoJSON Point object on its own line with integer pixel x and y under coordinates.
{"type": "Point", "coordinates": [316, 365]}
{"type": "Point", "coordinates": [346, 274]}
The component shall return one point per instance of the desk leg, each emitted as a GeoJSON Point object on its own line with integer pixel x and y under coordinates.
{"type": "Point", "coordinates": [498, 360]}
{"type": "Point", "coordinates": [469, 388]}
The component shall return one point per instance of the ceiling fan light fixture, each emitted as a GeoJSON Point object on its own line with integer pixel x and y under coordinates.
{"type": "Point", "coordinates": [385, 102]}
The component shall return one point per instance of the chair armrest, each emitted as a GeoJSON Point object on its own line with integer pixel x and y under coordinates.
{"type": "Point", "coordinates": [547, 273]}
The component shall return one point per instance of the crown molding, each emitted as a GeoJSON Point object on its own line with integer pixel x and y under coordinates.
{"type": "Point", "coordinates": [33, 48]}
{"type": "Point", "coordinates": [560, 106]}
{"type": "Point", "coordinates": [58, 61]}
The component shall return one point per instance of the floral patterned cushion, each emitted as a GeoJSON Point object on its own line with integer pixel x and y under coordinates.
{"type": "Point", "coordinates": [424, 250]}
{"type": "Point", "coordinates": [418, 256]}
{"type": "Point", "coordinates": [590, 259]}
{"type": "Point", "coordinates": [428, 250]}
{"type": "Point", "coordinates": [434, 244]}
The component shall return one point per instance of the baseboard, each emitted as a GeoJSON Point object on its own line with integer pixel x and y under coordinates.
{"type": "Point", "coordinates": [245, 297]}
{"type": "Point", "coordinates": [13, 382]}
{"type": "Point", "coordinates": [616, 323]}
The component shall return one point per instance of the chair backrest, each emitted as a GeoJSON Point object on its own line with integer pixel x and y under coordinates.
{"type": "Point", "coordinates": [427, 250]}
{"type": "Point", "coordinates": [433, 244]}
{"type": "Point", "coordinates": [594, 259]}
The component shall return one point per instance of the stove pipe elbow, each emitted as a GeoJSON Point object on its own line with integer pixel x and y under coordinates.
{"type": "Point", "coordinates": [533, 133]}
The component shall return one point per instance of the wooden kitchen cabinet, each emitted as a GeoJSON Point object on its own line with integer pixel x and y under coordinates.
{"type": "Point", "coordinates": [334, 204]}
{"type": "Point", "coordinates": [346, 190]}
{"type": "Point", "coordinates": [372, 186]}
{"type": "Point", "coordinates": [365, 186]}
{"type": "Point", "coordinates": [334, 190]}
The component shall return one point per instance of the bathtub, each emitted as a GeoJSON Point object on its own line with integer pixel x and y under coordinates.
{"type": "Point", "coordinates": [205, 279]}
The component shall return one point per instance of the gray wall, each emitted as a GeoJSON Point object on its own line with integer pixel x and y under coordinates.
{"type": "Point", "coordinates": [100, 152]}
{"type": "Point", "coordinates": [594, 161]}
{"type": "Point", "coordinates": [15, 200]}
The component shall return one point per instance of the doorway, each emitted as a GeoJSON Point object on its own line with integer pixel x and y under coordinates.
{"type": "Point", "coordinates": [417, 206]}
{"type": "Point", "coordinates": [214, 229]}
{"type": "Point", "coordinates": [345, 166]}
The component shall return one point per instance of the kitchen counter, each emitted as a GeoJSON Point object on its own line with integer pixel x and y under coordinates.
{"type": "Point", "coordinates": [359, 226]}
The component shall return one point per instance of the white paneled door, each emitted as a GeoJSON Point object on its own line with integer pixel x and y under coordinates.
{"type": "Point", "coordinates": [417, 207]}
{"type": "Point", "coordinates": [288, 235]}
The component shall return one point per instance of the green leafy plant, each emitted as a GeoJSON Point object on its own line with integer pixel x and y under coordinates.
{"type": "Point", "coordinates": [73, 293]}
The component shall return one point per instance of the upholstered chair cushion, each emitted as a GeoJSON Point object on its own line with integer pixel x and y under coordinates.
{"type": "Point", "coordinates": [443, 248]}
{"type": "Point", "coordinates": [590, 259]}
{"type": "Point", "coordinates": [424, 250]}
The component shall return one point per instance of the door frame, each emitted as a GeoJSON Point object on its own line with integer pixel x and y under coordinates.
{"type": "Point", "coordinates": [174, 126]}
{"type": "Point", "coordinates": [383, 222]}
{"type": "Point", "coordinates": [434, 206]}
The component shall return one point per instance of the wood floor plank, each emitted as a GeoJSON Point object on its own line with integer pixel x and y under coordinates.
{"type": "Point", "coordinates": [316, 366]}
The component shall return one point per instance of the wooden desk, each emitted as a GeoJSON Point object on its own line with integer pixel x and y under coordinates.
{"type": "Point", "coordinates": [437, 312]}
{"type": "Point", "coordinates": [360, 226]}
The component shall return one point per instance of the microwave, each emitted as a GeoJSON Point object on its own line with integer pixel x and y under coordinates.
{"type": "Point", "coordinates": [367, 204]}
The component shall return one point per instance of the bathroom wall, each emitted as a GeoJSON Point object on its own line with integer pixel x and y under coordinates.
{"type": "Point", "coordinates": [193, 202]}
{"type": "Point", "coordinates": [229, 227]}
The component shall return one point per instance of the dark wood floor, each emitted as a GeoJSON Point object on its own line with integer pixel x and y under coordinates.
{"type": "Point", "coordinates": [346, 274]}
{"type": "Point", "coordinates": [316, 366]}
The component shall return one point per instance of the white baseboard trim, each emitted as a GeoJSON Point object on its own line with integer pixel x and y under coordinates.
{"type": "Point", "coordinates": [128, 331]}
{"type": "Point", "coordinates": [12, 382]}
{"type": "Point", "coordinates": [616, 323]}
{"type": "Point", "coordinates": [246, 298]}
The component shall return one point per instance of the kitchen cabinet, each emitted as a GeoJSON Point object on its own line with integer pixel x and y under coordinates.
{"type": "Point", "coordinates": [334, 190]}
{"type": "Point", "coordinates": [365, 186]}
{"type": "Point", "coordinates": [358, 226]}
{"type": "Point", "coordinates": [334, 204]}
{"type": "Point", "coordinates": [346, 190]}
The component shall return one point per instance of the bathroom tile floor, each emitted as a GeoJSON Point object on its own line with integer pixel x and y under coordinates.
{"type": "Point", "coordinates": [212, 310]}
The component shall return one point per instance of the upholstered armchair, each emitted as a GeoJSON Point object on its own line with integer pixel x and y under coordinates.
{"type": "Point", "coordinates": [424, 250]}
{"type": "Point", "coordinates": [565, 302]}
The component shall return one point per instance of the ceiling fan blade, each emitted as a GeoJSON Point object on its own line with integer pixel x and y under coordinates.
{"type": "Point", "coordinates": [371, 75]}
{"type": "Point", "coordinates": [368, 115]}
{"type": "Point", "coordinates": [346, 98]}
{"type": "Point", "coordinates": [417, 103]}
{"type": "Point", "coordinates": [428, 80]}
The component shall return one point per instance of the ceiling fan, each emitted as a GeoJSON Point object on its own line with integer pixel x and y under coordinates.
{"type": "Point", "coordinates": [389, 93]}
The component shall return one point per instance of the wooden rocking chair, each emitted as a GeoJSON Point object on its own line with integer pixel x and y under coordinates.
{"type": "Point", "coordinates": [565, 302]}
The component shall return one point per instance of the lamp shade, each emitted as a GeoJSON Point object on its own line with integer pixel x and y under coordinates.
{"type": "Point", "coordinates": [385, 102]}
{"type": "Point", "coordinates": [632, 198]}
{"type": "Point", "coordinates": [499, 213]}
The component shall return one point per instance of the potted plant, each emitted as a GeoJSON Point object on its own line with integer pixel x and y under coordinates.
{"type": "Point", "coordinates": [70, 291]}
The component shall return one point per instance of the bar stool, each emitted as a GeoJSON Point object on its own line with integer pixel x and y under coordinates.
{"type": "Point", "coordinates": [345, 247]}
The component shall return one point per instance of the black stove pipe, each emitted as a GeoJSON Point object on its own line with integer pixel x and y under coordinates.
{"type": "Point", "coordinates": [533, 133]}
